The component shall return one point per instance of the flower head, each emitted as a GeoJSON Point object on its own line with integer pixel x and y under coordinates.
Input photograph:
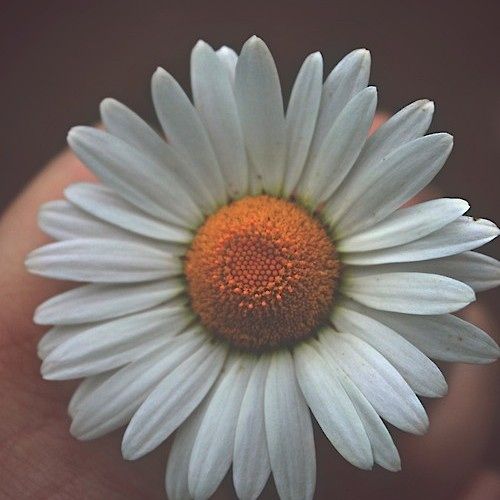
{"type": "Point", "coordinates": [249, 266]}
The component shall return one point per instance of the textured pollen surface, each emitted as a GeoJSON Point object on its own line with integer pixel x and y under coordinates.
{"type": "Point", "coordinates": [261, 273]}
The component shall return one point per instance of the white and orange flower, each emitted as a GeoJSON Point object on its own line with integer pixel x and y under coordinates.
{"type": "Point", "coordinates": [255, 267]}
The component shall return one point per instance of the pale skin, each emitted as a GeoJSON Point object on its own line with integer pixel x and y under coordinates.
{"type": "Point", "coordinates": [39, 459]}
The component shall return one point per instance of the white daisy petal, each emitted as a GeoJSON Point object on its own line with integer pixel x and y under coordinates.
{"type": "Point", "coordinates": [85, 388]}
{"type": "Point", "coordinates": [229, 58]}
{"type": "Point", "coordinates": [135, 176]}
{"type": "Point", "coordinates": [186, 133]}
{"type": "Point", "coordinates": [405, 225]}
{"type": "Point", "coordinates": [106, 205]}
{"type": "Point", "coordinates": [251, 466]}
{"type": "Point", "coordinates": [260, 106]}
{"type": "Point", "coordinates": [63, 221]}
{"type": "Point", "coordinates": [213, 449]}
{"type": "Point", "coordinates": [114, 343]}
{"type": "Point", "coordinates": [173, 400]}
{"type": "Point", "coordinates": [289, 431]}
{"type": "Point", "coordinates": [408, 124]}
{"type": "Point", "coordinates": [384, 450]}
{"type": "Point", "coordinates": [301, 118]}
{"type": "Point", "coordinates": [412, 293]}
{"type": "Point", "coordinates": [444, 337]}
{"type": "Point", "coordinates": [339, 150]}
{"type": "Point", "coordinates": [386, 186]}
{"type": "Point", "coordinates": [123, 123]}
{"type": "Point", "coordinates": [114, 402]}
{"type": "Point", "coordinates": [349, 77]}
{"type": "Point", "coordinates": [103, 261]}
{"type": "Point", "coordinates": [478, 271]}
{"type": "Point", "coordinates": [461, 235]}
{"type": "Point", "coordinates": [421, 374]}
{"type": "Point", "coordinates": [331, 406]}
{"type": "Point", "coordinates": [176, 476]}
{"type": "Point", "coordinates": [57, 336]}
{"type": "Point", "coordinates": [378, 380]}
{"type": "Point", "coordinates": [96, 302]}
{"type": "Point", "coordinates": [216, 104]}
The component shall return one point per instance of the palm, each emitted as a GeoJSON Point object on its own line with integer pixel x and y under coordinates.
{"type": "Point", "coordinates": [39, 458]}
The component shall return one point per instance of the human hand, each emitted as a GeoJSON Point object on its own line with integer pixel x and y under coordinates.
{"type": "Point", "coordinates": [39, 458]}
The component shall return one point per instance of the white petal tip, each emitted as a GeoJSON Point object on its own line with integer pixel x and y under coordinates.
{"type": "Point", "coordinates": [127, 454]}
{"type": "Point", "coordinates": [421, 427]}
{"type": "Point", "coordinates": [72, 134]}
{"type": "Point", "coordinates": [364, 56]}
{"type": "Point", "coordinates": [38, 317]}
{"type": "Point", "coordinates": [131, 451]}
{"type": "Point", "coordinates": [493, 354]}
{"type": "Point", "coordinates": [75, 431]}
{"type": "Point", "coordinates": [471, 296]}
{"type": "Point", "coordinates": [31, 265]}
{"type": "Point", "coordinates": [447, 138]}
{"type": "Point", "coordinates": [492, 227]}
{"type": "Point", "coordinates": [428, 106]}
{"type": "Point", "coordinates": [315, 56]}
{"type": "Point", "coordinates": [200, 492]}
{"type": "Point", "coordinates": [438, 392]}
{"type": "Point", "coordinates": [78, 133]}
{"type": "Point", "coordinates": [392, 467]}
{"type": "Point", "coordinates": [107, 103]}
{"type": "Point", "coordinates": [483, 361]}
{"type": "Point", "coordinates": [443, 389]}
{"type": "Point", "coordinates": [201, 46]}
{"type": "Point", "coordinates": [160, 73]}
{"type": "Point", "coordinates": [254, 39]}
{"type": "Point", "coordinates": [255, 43]}
{"type": "Point", "coordinates": [46, 371]}
{"type": "Point", "coordinates": [462, 204]}
{"type": "Point", "coordinates": [85, 437]}
{"type": "Point", "coordinates": [365, 465]}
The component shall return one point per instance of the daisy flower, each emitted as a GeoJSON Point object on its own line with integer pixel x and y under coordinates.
{"type": "Point", "coordinates": [251, 266]}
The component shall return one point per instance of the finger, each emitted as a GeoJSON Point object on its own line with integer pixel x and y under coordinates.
{"type": "Point", "coordinates": [34, 437]}
{"type": "Point", "coordinates": [484, 486]}
{"type": "Point", "coordinates": [380, 118]}
{"type": "Point", "coordinates": [19, 234]}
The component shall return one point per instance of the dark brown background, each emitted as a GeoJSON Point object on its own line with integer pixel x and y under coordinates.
{"type": "Point", "coordinates": [60, 58]}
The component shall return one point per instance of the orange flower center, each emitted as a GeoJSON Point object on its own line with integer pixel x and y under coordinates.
{"type": "Point", "coordinates": [261, 273]}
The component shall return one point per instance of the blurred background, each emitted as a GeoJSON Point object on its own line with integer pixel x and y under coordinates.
{"type": "Point", "coordinates": [60, 58]}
